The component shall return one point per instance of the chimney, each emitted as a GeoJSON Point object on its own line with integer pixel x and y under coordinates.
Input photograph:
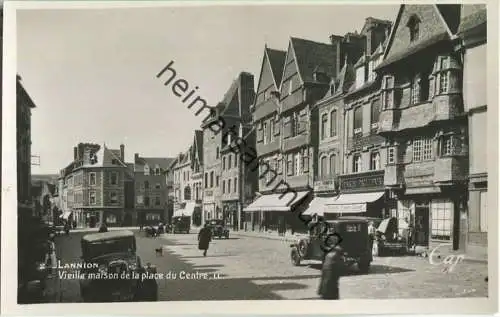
{"type": "Point", "coordinates": [136, 157]}
{"type": "Point", "coordinates": [122, 152]}
{"type": "Point", "coordinates": [75, 153]}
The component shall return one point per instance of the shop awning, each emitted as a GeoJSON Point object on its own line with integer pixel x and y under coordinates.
{"type": "Point", "coordinates": [276, 202]}
{"type": "Point", "coordinates": [352, 203]}
{"type": "Point", "coordinates": [187, 211]}
{"type": "Point", "coordinates": [65, 215]}
{"type": "Point", "coordinates": [318, 205]}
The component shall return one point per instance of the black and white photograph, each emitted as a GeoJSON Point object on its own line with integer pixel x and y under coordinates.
{"type": "Point", "coordinates": [249, 157]}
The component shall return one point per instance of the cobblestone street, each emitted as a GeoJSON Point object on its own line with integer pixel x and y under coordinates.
{"type": "Point", "coordinates": [255, 268]}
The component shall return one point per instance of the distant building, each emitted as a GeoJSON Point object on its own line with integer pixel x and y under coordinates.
{"type": "Point", "coordinates": [93, 186]}
{"type": "Point", "coordinates": [188, 181]}
{"type": "Point", "coordinates": [150, 188]}
{"type": "Point", "coordinates": [24, 105]}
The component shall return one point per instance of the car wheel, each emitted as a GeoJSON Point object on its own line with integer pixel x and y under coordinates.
{"type": "Point", "coordinates": [364, 265]}
{"type": "Point", "coordinates": [295, 257]}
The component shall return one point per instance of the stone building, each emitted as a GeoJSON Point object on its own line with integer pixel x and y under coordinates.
{"type": "Point", "coordinates": [150, 189]}
{"type": "Point", "coordinates": [266, 121]}
{"type": "Point", "coordinates": [228, 115]}
{"type": "Point", "coordinates": [307, 72]}
{"type": "Point", "coordinates": [423, 123]}
{"type": "Point", "coordinates": [187, 173]}
{"type": "Point", "coordinates": [24, 106]}
{"type": "Point", "coordinates": [361, 185]}
{"type": "Point", "coordinates": [93, 185]}
{"type": "Point", "coordinates": [472, 31]}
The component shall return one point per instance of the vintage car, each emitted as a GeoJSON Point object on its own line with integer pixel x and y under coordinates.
{"type": "Point", "coordinates": [113, 271]}
{"type": "Point", "coordinates": [389, 239]}
{"type": "Point", "coordinates": [181, 224]}
{"type": "Point", "coordinates": [218, 228]}
{"type": "Point", "coordinates": [351, 233]}
{"type": "Point", "coordinates": [155, 230]}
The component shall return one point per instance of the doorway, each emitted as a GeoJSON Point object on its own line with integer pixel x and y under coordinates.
{"type": "Point", "coordinates": [422, 224]}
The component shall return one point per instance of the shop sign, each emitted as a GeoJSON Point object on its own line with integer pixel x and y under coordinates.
{"type": "Point", "coordinates": [348, 208]}
{"type": "Point", "coordinates": [364, 181]}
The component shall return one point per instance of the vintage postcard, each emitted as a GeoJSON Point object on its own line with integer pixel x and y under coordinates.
{"type": "Point", "coordinates": [249, 157]}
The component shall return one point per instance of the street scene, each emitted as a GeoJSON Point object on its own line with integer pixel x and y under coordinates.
{"type": "Point", "coordinates": [236, 273]}
{"type": "Point", "coordinates": [337, 159]}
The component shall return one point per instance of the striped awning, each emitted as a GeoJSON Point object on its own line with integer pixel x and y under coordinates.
{"type": "Point", "coordinates": [276, 202]}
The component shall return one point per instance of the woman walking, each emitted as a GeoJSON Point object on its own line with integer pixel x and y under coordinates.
{"type": "Point", "coordinates": [204, 238]}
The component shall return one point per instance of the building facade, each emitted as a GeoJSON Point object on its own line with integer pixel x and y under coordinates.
{"type": "Point", "coordinates": [361, 185]}
{"type": "Point", "coordinates": [187, 174]}
{"type": "Point", "coordinates": [93, 185]}
{"type": "Point", "coordinates": [472, 32]}
{"type": "Point", "coordinates": [228, 115]}
{"type": "Point", "coordinates": [423, 122]}
{"type": "Point", "coordinates": [289, 174]}
{"type": "Point", "coordinates": [150, 189]}
{"type": "Point", "coordinates": [24, 106]}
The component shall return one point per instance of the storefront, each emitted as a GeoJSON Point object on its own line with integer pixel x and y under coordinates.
{"type": "Point", "coordinates": [361, 194]}
{"type": "Point", "coordinates": [231, 214]}
{"type": "Point", "coordinates": [277, 212]}
{"type": "Point", "coordinates": [435, 213]}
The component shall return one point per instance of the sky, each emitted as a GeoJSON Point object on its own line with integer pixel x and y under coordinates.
{"type": "Point", "coordinates": [92, 72]}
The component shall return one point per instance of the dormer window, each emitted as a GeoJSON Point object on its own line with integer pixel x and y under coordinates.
{"type": "Point", "coordinates": [146, 170]}
{"type": "Point", "coordinates": [413, 26]}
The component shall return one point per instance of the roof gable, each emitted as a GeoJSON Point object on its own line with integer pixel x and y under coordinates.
{"type": "Point", "coordinates": [267, 78]}
{"type": "Point", "coordinates": [276, 60]}
{"type": "Point", "coordinates": [311, 56]}
{"type": "Point", "coordinates": [432, 26]}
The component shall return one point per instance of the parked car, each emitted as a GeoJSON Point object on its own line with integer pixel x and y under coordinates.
{"type": "Point", "coordinates": [181, 224]}
{"type": "Point", "coordinates": [388, 238]}
{"type": "Point", "coordinates": [112, 257]}
{"type": "Point", "coordinates": [351, 233]}
{"type": "Point", "coordinates": [219, 228]}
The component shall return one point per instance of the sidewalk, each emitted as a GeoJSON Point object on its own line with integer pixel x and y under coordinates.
{"type": "Point", "coordinates": [288, 237]}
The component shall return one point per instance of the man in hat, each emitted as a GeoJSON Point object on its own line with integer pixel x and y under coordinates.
{"type": "Point", "coordinates": [204, 238]}
{"type": "Point", "coordinates": [333, 267]}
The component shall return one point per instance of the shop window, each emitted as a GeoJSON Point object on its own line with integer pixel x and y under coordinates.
{"type": "Point", "coordinates": [111, 219]}
{"type": "Point", "coordinates": [356, 163]}
{"type": "Point", "coordinates": [483, 212]}
{"type": "Point", "coordinates": [441, 219]}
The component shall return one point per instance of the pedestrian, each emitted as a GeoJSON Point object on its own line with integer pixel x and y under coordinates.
{"type": "Point", "coordinates": [103, 227]}
{"type": "Point", "coordinates": [331, 271]}
{"type": "Point", "coordinates": [204, 238]}
{"type": "Point", "coordinates": [50, 253]}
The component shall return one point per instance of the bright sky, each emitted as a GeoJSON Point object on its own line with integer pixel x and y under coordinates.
{"type": "Point", "coordinates": [92, 73]}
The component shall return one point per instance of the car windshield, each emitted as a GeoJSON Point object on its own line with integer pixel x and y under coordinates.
{"type": "Point", "coordinates": [98, 248]}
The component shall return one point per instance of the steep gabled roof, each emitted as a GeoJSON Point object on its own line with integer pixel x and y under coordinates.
{"type": "Point", "coordinates": [310, 55]}
{"type": "Point", "coordinates": [473, 15]}
{"type": "Point", "coordinates": [276, 59]}
{"type": "Point", "coordinates": [440, 32]}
